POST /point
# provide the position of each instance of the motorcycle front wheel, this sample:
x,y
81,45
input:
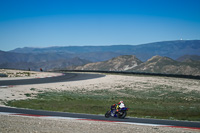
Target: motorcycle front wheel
x,y
107,115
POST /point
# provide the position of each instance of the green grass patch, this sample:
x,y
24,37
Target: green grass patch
x,y
27,94
32,89
158,102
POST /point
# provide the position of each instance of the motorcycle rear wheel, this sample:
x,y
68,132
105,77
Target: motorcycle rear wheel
x,y
122,116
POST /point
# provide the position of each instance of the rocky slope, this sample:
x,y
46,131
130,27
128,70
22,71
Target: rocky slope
x,y
156,64
121,63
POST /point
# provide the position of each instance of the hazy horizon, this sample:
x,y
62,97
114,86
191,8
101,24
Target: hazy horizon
x,y
97,45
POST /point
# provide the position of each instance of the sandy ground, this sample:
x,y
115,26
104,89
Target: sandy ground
x,y
111,82
19,74
18,92
16,124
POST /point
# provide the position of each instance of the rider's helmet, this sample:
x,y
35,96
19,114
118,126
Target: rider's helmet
x,y
120,102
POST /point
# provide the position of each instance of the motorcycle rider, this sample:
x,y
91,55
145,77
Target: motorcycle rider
x,y
117,110
119,106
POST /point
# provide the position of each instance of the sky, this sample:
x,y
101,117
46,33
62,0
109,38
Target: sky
x,y
45,23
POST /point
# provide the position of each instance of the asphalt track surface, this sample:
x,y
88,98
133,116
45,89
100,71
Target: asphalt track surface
x,y
140,121
78,76
66,77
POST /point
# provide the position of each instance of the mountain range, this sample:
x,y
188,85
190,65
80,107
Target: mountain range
x,y
65,56
171,49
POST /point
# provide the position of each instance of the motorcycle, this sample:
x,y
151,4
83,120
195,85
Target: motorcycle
x,y
120,114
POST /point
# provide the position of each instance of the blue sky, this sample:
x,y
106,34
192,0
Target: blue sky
x,y
44,23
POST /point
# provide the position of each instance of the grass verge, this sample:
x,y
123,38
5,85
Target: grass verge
x,y
163,102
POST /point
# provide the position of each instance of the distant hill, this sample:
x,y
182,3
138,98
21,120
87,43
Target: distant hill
x,y
12,57
156,64
171,49
34,61
121,63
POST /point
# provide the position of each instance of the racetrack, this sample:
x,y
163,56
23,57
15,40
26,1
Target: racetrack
x,y
66,77
80,76
128,120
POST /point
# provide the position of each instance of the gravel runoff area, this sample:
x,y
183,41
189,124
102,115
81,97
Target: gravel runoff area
x,y
23,124
19,74
9,123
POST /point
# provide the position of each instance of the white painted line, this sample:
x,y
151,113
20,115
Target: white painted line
x,y
59,117
4,86
8,113
142,124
